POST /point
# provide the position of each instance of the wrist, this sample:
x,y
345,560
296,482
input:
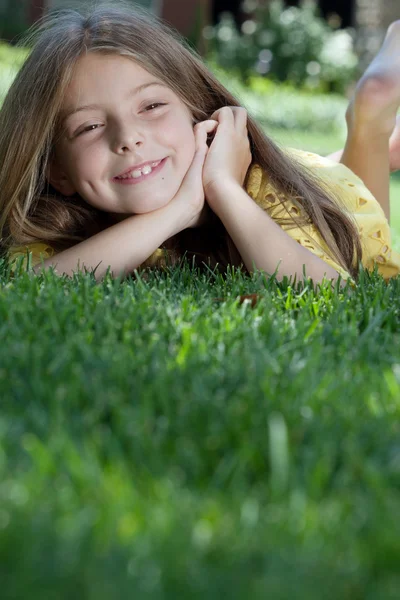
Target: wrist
x,y
178,216
219,191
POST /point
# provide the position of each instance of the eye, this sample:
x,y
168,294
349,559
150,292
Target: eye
x,y
153,106
89,128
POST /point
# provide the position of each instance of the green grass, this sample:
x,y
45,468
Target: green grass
x,y
156,443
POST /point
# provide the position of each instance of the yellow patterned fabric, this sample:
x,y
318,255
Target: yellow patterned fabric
x,y
356,199
38,251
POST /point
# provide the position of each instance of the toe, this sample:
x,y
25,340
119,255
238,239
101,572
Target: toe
x,y
394,29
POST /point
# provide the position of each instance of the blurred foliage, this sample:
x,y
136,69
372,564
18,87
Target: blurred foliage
x,y
11,59
13,19
286,44
277,105
12,56
283,106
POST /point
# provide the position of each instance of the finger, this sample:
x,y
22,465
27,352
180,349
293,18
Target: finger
x,y
200,136
224,116
209,125
238,113
201,149
240,116
215,114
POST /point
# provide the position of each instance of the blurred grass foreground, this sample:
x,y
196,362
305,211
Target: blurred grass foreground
x,y
162,439
156,442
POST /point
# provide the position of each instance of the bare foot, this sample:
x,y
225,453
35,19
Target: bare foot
x,y
394,147
377,95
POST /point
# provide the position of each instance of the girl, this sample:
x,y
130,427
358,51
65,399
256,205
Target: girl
x,y
120,149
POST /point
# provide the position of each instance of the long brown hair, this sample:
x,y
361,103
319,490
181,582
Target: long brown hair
x,y
30,210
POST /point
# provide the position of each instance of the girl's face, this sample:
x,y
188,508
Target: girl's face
x,y
126,139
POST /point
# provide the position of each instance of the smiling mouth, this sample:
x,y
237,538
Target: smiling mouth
x,y
140,173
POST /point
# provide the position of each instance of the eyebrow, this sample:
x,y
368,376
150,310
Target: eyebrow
x,y
134,92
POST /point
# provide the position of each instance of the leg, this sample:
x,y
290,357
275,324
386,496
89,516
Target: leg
x,y
394,149
371,119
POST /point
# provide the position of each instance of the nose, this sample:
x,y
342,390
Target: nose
x,y
127,139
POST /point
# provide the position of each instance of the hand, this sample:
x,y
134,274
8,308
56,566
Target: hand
x,y
229,155
191,192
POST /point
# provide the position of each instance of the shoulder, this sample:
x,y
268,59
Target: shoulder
x,y
335,177
348,189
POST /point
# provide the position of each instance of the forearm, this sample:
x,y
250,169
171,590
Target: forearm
x,y
122,247
261,242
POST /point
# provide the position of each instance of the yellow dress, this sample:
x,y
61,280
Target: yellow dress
x,y
356,199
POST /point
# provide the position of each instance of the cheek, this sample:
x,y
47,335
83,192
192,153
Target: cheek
x,y
85,164
185,144
178,134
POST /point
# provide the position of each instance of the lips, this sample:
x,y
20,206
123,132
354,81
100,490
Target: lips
x,y
139,173
139,170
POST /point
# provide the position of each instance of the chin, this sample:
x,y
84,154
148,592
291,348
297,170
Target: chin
x,y
155,205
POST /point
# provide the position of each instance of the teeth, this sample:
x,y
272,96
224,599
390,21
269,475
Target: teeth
x,y
146,170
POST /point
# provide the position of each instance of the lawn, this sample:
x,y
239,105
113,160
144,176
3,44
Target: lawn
x,y
160,439
158,442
